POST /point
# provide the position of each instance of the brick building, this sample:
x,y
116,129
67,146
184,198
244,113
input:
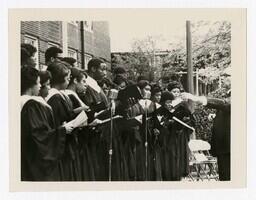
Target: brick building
x,y
81,40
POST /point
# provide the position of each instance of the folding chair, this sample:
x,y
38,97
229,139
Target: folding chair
x,y
202,165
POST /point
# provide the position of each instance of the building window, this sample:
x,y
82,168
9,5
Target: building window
x,y
34,42
75,23
88,26
87,58
52,44
73,54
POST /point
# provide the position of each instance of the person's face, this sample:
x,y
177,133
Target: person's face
x,y
32,61
105,89
145,91
124,75
157,97
44,91
175,92
168,105
53,59
122,86
82,85
36,88
66,81
100,72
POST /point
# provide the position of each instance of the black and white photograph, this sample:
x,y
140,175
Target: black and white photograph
x,y
126,99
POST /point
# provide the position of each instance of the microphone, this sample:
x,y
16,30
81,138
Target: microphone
x,y
147,94
112,95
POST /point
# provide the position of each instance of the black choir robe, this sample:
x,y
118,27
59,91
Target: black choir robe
x,y
174,139
86,164
97,101
42,144
133,135
63,112
220,142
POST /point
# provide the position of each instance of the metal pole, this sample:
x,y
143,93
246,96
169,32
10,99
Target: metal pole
x,y
146,140
197,82
190,82
110,143
82,45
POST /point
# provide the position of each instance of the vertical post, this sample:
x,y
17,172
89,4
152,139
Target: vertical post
x,y
82,44
65,38
190,82
219,82
197,82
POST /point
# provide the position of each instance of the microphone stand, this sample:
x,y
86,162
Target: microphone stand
x,y
112,96
146,141
112,111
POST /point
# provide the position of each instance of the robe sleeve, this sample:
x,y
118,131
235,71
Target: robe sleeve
x,y
218,104
61,112
49,141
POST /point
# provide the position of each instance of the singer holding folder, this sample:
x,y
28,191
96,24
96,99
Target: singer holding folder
x,y
173,137
63,113
132,135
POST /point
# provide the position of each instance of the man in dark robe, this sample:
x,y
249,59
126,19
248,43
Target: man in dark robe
x,y
220,142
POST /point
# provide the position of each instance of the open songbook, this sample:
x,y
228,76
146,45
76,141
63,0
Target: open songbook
x,y
146,103
80,120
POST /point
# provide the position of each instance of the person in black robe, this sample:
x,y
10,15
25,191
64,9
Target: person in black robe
x,y
173,137
63,112
156,93
78,81
42,144
94,97
133,134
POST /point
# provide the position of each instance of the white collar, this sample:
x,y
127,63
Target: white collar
x,y
93,84
71,92
39,99
52,92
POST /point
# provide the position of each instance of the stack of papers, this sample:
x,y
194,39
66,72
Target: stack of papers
x,y
80,120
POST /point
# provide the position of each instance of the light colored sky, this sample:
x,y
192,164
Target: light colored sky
x,y
123,32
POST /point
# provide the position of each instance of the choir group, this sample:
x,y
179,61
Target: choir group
x,y
128,131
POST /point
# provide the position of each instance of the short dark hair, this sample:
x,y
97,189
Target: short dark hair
x,y
174,84
58,71
142,81
95,62
119,70
27,50
69,60
29,76
119,79
166,95
155,89
76,73
52,52
30,48
24,56
45,76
